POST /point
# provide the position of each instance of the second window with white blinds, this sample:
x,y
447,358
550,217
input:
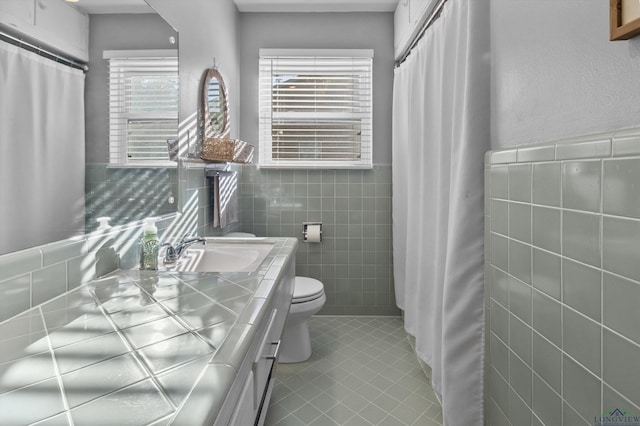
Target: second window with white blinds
x,y
143,105
315,108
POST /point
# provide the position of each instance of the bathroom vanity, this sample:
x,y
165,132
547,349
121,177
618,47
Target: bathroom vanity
x,y
152,347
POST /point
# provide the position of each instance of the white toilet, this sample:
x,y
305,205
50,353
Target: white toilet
x,y
308,299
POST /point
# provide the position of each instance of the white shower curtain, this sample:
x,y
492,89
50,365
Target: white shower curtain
x,y
41,150
440,133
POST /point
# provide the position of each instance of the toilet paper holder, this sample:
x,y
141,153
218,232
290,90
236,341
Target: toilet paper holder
x,y
305,229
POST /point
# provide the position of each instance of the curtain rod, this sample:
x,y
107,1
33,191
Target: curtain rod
x,y
435,14
43,52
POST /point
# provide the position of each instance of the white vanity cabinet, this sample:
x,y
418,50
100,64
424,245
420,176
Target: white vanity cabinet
x,y
248,399
244,414
211,358
264,366
266,360
409,18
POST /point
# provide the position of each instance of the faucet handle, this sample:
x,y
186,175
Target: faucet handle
x,y
170,253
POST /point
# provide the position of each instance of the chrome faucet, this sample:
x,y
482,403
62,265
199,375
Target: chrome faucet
x,y
173,252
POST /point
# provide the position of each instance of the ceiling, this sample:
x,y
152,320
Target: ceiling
x,y
140,6
316,5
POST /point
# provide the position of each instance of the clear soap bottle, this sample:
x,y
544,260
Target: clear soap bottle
x,y
149,245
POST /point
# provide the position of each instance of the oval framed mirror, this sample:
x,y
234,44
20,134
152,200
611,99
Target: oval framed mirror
x,y
215,105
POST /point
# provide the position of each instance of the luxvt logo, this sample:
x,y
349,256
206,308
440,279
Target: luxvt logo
x,y
617,417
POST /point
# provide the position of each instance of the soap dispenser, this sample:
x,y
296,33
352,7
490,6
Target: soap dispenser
x,y
149,245
104,223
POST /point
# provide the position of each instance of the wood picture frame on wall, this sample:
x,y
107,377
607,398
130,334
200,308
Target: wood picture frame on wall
x,y
624,18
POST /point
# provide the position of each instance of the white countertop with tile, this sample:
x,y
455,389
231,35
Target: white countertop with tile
x,y
135,347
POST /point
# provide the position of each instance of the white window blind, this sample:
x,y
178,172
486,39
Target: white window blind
x,y
315,108
143,105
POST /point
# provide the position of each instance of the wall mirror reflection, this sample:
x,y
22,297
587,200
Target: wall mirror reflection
x,y
100,149
215,105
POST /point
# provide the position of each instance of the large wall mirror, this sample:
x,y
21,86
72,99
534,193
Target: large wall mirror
x,y
124,194
128,192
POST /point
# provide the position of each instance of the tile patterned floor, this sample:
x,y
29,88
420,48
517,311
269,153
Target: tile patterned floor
x,y
362,372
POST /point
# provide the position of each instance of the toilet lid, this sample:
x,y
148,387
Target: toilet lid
x,y
306,289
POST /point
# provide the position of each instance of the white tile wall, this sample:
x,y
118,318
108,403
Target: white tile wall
x,y
563,280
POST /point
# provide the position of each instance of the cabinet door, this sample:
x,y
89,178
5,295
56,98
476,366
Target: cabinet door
x,y
18,14
51,23
263,364
409,19
418,10
244,414
63,27
401,25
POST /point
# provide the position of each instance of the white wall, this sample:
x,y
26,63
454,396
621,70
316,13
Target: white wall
x,y
207,29
555,74
114,32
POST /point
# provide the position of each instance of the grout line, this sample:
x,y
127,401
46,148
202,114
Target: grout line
x,y
602,326
353,337
56,369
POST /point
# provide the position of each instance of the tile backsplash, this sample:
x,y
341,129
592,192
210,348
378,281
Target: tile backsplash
x,y
563,280
33,276
354,259
127,194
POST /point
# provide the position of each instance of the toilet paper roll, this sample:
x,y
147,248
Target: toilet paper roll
x,y
313,234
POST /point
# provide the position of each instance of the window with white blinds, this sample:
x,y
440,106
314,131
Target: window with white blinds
x,y
143,105
315,108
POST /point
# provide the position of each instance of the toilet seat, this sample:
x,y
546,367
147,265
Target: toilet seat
x,y
306,290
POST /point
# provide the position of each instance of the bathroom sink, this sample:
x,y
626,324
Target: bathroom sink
x,y
221,257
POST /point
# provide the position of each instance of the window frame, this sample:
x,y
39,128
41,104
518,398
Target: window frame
x,y
364,118
119,118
